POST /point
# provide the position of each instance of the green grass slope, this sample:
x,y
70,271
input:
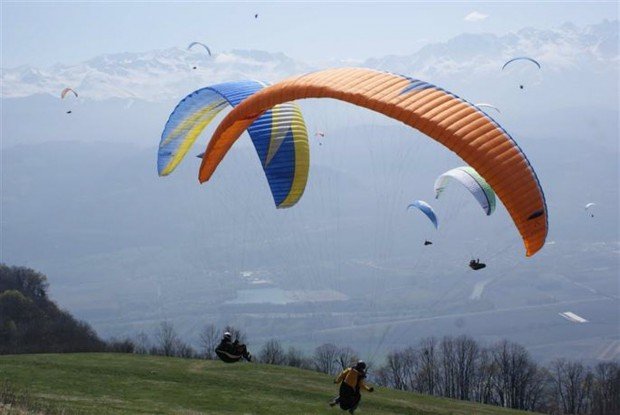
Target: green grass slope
x,y
131,384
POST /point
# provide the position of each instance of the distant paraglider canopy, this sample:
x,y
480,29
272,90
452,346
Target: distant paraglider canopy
x,y
194,44
427,210
460,126
520,58
473,182
191,45
589,210
65,91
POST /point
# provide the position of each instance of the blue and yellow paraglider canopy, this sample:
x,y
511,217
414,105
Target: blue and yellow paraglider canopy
x,y
279,136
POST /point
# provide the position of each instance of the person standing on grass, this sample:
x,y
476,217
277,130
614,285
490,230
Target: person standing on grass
x,y
351,382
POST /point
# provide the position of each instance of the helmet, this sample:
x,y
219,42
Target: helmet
x,y
227,336
360,365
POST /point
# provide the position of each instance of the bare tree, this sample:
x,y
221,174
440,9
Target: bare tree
x,y
428,371
448,371
346,357
325,358
573,383
167,339
502,362
143,344
606,389
272,353
209,339
514,374
296,358
184,350
537,390
485,378
458,364
400,370
392,373
467,352
381,377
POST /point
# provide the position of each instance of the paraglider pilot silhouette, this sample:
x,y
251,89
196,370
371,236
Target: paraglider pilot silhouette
x,y
475,264
351,381
231,351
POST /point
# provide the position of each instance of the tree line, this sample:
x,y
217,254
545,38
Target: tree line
x,y
502,374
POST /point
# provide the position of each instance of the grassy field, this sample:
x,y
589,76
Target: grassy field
x,y
132,384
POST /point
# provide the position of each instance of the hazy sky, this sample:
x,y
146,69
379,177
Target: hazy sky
x,y
44,33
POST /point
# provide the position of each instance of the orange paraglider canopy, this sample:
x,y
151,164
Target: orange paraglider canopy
x,y
448,119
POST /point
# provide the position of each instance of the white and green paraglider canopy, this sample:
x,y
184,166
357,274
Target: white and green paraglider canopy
x,y
473,182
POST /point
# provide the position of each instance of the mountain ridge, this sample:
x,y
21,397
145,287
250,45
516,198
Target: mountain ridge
x,y
160,75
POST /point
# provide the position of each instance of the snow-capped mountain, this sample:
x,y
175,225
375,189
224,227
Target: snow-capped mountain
x,y
593,48
162,75
153,76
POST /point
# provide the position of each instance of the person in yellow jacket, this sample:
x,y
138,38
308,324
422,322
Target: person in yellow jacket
x,y
351,382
